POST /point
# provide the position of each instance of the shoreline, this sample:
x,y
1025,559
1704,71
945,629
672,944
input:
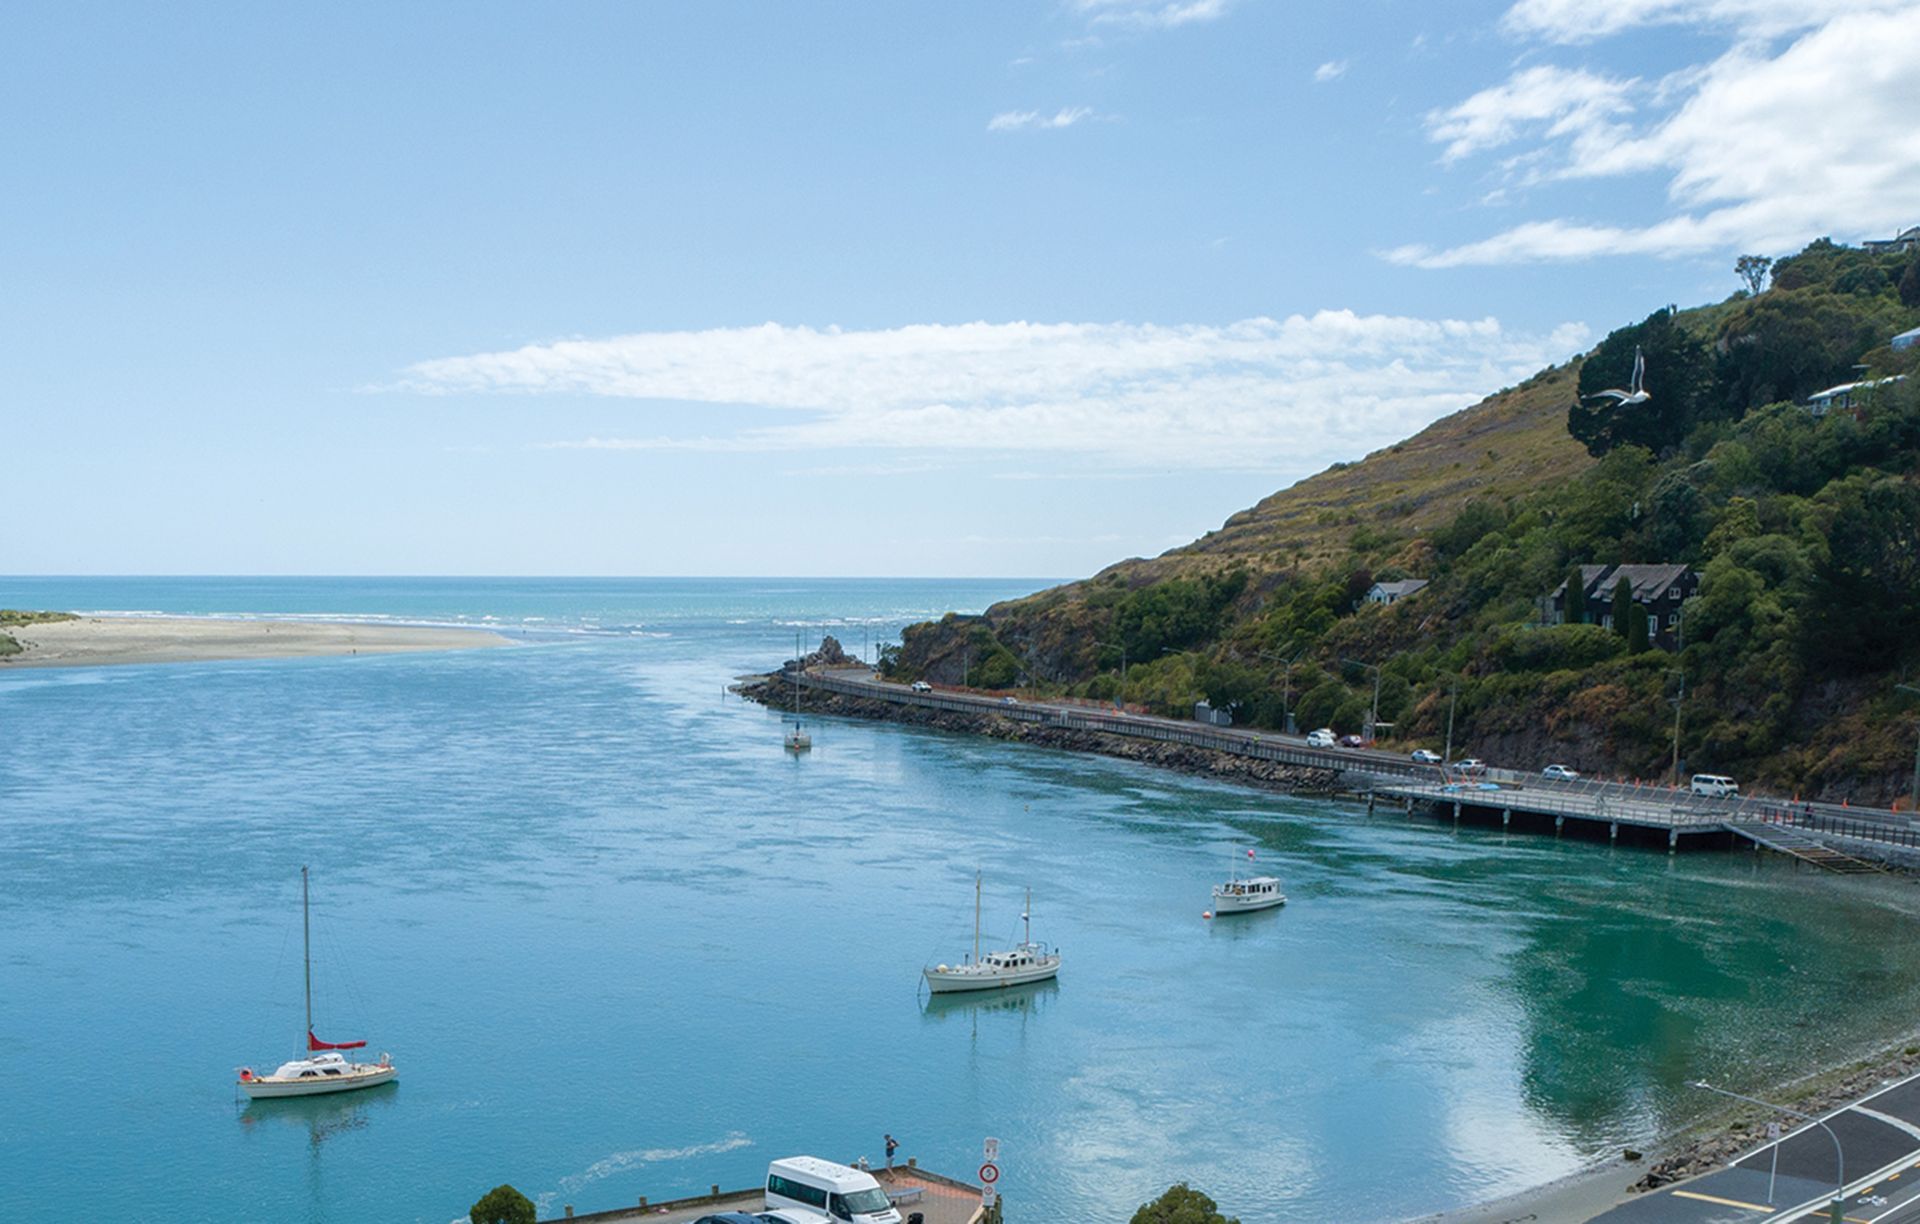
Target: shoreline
x,y
104,641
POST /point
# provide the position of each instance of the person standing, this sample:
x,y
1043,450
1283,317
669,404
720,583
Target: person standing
x,y
893,1145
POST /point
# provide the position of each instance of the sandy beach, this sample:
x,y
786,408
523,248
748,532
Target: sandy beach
x,y
103,640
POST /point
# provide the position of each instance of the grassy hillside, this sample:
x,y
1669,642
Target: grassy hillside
x,y
1806,532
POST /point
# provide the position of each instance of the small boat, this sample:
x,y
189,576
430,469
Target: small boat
x,y
1238,896
798,739
323,1069
1022,965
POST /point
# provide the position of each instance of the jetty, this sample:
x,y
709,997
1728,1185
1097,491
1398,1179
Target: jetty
x,y
1829,837
914,1191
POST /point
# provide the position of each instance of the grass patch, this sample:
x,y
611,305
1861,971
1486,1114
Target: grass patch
x,y
8,646
14,616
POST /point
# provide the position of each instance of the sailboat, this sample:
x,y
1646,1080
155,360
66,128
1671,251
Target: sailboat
x,y
1029,962
324,1069
798,740
1238,896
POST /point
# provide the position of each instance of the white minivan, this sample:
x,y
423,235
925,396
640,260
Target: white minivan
x,y
1717,786
841,1191
1323,738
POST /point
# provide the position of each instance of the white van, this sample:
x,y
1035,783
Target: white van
x,y
841,1191
1323,738
1717,786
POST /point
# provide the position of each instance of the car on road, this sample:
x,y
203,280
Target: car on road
x,y
1422,757
1714,786
1352,741
1009,701
1560,773
1323,738
921,686
1472,766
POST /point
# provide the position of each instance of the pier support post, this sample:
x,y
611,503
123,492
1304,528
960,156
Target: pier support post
x,y
1506,818
1559,823
1456,811
1613,830
1369,803
1673,840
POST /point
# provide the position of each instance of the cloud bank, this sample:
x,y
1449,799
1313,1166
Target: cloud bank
x,y
1016,121
1762,149
1295,393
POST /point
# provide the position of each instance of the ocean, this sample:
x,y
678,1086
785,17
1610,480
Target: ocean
x,y
619,943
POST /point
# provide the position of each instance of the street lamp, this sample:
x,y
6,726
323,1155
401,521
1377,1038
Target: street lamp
x,y
1679,700
1916,754
1839,1158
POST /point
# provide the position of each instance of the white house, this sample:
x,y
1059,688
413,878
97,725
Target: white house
x,y
1393,592
1905,340
1906,240
1848,396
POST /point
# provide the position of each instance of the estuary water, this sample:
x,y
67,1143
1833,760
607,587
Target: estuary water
x,y
620,943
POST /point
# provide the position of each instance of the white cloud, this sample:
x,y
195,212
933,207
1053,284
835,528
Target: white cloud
x,y
1762,149
1017,121
1332,70
1576,21
1151,14
1297,392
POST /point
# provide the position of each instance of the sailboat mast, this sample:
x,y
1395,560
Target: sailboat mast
x,y
1026,916
306,956
976,917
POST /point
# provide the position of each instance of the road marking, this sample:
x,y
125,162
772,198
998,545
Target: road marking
x,y
1724,1202
1889,1119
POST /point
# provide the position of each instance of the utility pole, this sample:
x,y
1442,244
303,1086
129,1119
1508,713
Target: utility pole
x,y
1373,714
1286,687
1916,753
1679,700
1120,699
1452,702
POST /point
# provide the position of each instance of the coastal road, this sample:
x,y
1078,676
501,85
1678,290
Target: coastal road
x,y
1590,798
1794,1178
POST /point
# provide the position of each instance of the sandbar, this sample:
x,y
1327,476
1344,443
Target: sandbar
x,y
96,641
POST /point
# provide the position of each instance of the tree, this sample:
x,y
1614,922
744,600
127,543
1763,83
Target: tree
x,y
502,1205
1639,635
1753,269
1576,598
1623,608
1181,1205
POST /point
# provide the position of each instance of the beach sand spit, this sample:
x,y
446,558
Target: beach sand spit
x,y
97,641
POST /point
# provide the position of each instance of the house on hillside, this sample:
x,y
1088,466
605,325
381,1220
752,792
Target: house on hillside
x,y
1905,340
1658,591
1848,397
1394,592
1905,240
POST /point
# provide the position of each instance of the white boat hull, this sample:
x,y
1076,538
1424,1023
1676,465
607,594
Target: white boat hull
x,y
1246,905
358,1075
954,981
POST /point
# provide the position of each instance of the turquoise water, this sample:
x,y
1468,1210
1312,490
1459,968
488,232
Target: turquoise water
x,y
619,943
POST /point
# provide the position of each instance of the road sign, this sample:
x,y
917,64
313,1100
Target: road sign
x,y
987,1196
989,1173
992,1152
1773,1130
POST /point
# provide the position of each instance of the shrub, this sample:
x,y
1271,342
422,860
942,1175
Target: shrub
x,y
1181,1205
502,1205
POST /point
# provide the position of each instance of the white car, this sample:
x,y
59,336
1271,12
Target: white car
x,y
1422,757
921,686
1323,738
1472,766
1715,786
1560,773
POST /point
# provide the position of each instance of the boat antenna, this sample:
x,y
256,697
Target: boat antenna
x,y
1026,916
306,956
976,917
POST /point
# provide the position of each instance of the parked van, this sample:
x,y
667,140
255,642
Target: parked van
x,y
841,1191
1323,738
1717,786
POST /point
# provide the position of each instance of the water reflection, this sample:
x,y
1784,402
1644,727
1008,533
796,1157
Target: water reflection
x,y
324,1117
1032,1000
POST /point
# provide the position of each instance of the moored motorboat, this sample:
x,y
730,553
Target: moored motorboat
x,y
1243,896
1025,963
323,1068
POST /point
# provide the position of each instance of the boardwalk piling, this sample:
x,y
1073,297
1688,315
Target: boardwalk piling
x,y
1613,830
1559,823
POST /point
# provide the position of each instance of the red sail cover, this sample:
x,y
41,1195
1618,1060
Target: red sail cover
x,y
314,1043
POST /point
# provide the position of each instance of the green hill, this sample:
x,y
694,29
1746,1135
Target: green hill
x,y
1805,531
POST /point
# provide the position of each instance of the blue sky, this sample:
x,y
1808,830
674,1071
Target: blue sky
x,y
850,289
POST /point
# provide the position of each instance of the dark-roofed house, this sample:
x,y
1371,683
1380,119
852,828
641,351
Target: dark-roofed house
x,y
1391,592
1658,590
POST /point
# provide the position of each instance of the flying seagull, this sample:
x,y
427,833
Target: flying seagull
x,y
1635,393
